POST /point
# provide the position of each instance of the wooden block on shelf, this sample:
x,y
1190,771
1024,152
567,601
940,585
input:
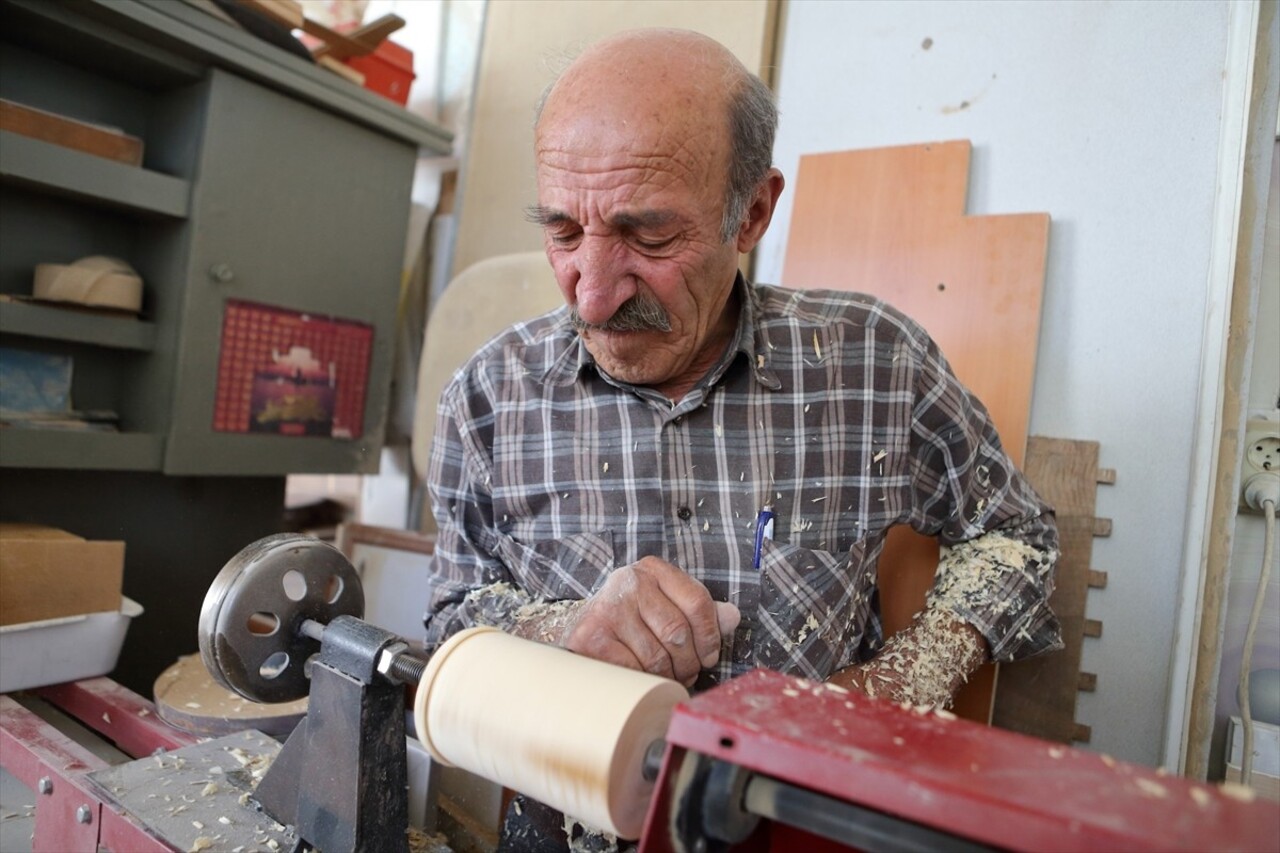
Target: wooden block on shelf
x,y
70,133
286,12
368,36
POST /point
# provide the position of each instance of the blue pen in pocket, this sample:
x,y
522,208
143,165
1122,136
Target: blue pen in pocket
x,y
764,530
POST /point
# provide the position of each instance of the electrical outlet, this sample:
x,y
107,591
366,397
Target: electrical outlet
x,y
1261,453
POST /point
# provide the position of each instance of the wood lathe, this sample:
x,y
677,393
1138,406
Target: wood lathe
x,y
766,762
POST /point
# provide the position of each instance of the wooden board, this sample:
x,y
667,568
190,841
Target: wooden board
x,y
69,133
891,222
188,698
1038,696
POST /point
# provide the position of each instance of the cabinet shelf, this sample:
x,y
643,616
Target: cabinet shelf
x,y
66,172
69,324
102,451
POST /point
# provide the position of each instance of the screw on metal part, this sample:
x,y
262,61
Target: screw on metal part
x,y
83,815
408,669
45,785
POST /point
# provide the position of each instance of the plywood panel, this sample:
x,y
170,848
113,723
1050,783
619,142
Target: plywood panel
x,y
891,222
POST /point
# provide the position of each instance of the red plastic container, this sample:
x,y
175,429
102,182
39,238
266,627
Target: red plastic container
x,y
387,71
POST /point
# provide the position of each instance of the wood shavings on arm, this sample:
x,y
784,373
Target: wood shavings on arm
x,y
513,610
926,663
922,665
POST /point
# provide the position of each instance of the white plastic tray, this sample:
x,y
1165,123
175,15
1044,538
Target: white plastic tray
x,y
34,654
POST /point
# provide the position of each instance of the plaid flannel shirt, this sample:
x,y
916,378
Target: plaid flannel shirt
x,y
832,408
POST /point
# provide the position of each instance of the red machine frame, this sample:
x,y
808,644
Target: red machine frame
x,y
69,816
927,769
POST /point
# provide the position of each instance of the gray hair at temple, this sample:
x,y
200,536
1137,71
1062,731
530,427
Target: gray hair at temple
x,y
753,122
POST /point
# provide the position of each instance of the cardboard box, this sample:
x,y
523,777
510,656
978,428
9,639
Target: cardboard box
x,y
46,573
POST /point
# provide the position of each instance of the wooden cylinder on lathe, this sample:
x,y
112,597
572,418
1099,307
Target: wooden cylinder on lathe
x,y
566,730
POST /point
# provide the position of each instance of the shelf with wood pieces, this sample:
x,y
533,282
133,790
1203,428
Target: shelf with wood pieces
x,y
62,171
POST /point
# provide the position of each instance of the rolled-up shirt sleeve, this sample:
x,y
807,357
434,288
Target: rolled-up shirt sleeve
x,y
468,585
998,538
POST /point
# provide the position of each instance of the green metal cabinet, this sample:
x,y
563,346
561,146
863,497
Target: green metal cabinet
x,y
265,179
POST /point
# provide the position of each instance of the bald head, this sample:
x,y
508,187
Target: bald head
x,y
658,85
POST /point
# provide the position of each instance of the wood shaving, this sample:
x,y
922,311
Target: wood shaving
x,y
204,842
1152,788
1236,791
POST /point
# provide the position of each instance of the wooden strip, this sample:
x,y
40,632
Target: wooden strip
x,y
341,69
1093,628
1097,580
1107,476
1088,682
1081,733
1102,527
351,534
368,37
70,133
285,12
336,40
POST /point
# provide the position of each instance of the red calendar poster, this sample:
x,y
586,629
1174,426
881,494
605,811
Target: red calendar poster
x,y
290,373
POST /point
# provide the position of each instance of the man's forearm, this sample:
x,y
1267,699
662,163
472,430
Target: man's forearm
x,y
924,664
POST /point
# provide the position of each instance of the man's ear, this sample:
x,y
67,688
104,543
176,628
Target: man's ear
x,y
760,213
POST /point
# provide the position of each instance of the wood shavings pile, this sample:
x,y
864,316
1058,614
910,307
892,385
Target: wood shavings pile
x,y
421,842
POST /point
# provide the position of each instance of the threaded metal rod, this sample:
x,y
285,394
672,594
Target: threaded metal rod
x,y
408,668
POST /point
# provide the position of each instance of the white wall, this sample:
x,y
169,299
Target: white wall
x,y
1105,115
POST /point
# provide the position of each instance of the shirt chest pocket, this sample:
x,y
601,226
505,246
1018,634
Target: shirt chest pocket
x,y
559,569
813,609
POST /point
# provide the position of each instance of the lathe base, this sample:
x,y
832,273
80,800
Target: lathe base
x,y
808,766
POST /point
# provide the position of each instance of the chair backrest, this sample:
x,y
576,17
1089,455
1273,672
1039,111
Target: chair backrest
x,y
480,302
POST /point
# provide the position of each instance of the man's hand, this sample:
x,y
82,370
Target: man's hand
x,y
653,617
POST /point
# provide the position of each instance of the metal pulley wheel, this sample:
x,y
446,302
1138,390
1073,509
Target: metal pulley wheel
x,y
250,625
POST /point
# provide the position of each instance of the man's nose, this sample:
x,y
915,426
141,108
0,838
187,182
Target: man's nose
x,y
603,283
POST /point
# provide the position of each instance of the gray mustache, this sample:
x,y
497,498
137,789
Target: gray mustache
x,y
637,314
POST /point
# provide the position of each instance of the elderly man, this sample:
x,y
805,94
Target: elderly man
x,y
599,473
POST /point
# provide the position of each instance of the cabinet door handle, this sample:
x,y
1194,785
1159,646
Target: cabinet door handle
x,y
222,273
